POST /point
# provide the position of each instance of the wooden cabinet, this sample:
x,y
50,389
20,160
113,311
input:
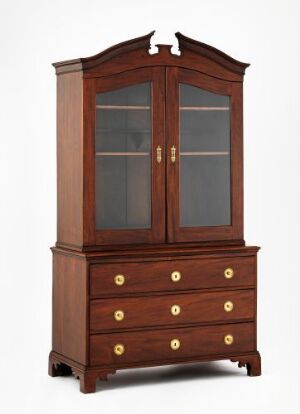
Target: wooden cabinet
x,y
150,265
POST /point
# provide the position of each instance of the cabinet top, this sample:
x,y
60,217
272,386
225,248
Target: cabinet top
x,y
129,55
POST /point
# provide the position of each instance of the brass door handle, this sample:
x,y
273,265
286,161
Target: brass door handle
x,y
158,154
173,154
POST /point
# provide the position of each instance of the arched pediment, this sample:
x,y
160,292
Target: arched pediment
x,y
134,53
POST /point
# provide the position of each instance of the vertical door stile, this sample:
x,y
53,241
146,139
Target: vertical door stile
x,y
158,155
172,141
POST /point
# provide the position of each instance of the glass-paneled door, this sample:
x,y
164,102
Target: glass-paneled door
x,y
128,157
204,197
123,158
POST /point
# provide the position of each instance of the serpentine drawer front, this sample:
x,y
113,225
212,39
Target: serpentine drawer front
x,y
170,344
171,309
155,276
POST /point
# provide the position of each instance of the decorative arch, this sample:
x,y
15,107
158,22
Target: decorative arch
x,y
134,53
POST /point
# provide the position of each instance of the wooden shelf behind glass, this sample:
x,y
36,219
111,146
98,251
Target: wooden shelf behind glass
x,y
132,107
204,153
204,108
122,153
123,130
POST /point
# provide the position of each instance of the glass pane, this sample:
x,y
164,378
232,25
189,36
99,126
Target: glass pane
x,y
123,158
204,158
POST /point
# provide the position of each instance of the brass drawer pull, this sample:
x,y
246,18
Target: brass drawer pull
x,y
175,310
158,154
228,306
228,339
175,276
175,344
228,273
119,349
119,280
119,315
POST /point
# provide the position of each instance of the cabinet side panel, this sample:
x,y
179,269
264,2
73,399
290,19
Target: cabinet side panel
x,y
69,313
69,159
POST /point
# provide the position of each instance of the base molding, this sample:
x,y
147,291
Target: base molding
x,y
59,365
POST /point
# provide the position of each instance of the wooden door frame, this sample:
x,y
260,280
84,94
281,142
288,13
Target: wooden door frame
x,y
156,233
174,76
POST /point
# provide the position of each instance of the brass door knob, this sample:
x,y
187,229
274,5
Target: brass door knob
x,y
175,276
228,339
119,349
175,310
119,315
119,280
175,344
228,273
228,306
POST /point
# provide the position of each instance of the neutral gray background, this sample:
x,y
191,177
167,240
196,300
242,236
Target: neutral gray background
x,y
35,33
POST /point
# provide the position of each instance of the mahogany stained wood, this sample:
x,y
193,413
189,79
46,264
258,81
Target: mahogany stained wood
x,y
129,55
176,233
164,57
79,81
155,345
69,307
86,260
69,159
155,311
156,234
251,360
156,276
206,50
60,365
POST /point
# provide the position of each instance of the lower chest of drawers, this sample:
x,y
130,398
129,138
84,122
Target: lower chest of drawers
x,y
164,310
122,313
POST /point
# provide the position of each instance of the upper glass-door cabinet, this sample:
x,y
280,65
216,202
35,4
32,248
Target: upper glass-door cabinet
x,y
128,144
202,173
150,146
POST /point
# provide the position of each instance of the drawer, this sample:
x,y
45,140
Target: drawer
x,y
120,313
171,344
122,278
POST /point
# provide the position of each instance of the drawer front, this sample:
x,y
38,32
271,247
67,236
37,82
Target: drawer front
x,y
120,313
171,344
122,278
